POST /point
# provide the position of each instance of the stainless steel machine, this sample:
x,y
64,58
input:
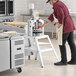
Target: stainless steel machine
x,y
17,47
33,24
33,27
38,41
33,31
11,52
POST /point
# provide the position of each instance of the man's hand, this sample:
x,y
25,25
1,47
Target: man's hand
x,y
58,25
39,27
42,25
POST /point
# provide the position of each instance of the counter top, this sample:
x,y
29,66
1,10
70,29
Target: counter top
x,y
15,23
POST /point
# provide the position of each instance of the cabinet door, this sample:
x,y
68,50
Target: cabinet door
x,y
4,55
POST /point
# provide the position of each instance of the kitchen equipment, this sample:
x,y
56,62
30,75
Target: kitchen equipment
x,y
2,7
14,26
4,53
12,53
37,39
33,27
32,36
6,7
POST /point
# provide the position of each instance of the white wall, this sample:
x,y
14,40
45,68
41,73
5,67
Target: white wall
x,y
46,9
71,4
42,6
20,6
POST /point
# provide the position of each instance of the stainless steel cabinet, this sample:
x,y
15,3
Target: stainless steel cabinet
x,y
4,54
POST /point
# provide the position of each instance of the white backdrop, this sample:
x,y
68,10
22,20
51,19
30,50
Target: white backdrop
x,y
71,4
41,6
46,9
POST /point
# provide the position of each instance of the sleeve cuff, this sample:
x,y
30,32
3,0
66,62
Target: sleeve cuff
x,y
51,18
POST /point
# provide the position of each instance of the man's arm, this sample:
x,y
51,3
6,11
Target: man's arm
x,y
50,18
46,22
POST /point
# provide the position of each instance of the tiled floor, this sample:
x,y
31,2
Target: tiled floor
x,y
32,67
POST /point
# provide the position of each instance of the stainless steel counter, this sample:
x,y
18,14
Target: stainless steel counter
x,y
7,18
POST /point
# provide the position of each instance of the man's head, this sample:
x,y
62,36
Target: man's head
x,y
52,1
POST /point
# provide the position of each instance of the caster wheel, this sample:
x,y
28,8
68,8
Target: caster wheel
x,y
31,53
19,70
35,58
28,57
41,66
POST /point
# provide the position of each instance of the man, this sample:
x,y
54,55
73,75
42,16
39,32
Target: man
x,y
62,14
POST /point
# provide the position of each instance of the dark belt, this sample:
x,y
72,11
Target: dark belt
x,y
66,17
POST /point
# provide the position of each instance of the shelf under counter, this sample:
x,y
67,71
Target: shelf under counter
x,y
7,17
